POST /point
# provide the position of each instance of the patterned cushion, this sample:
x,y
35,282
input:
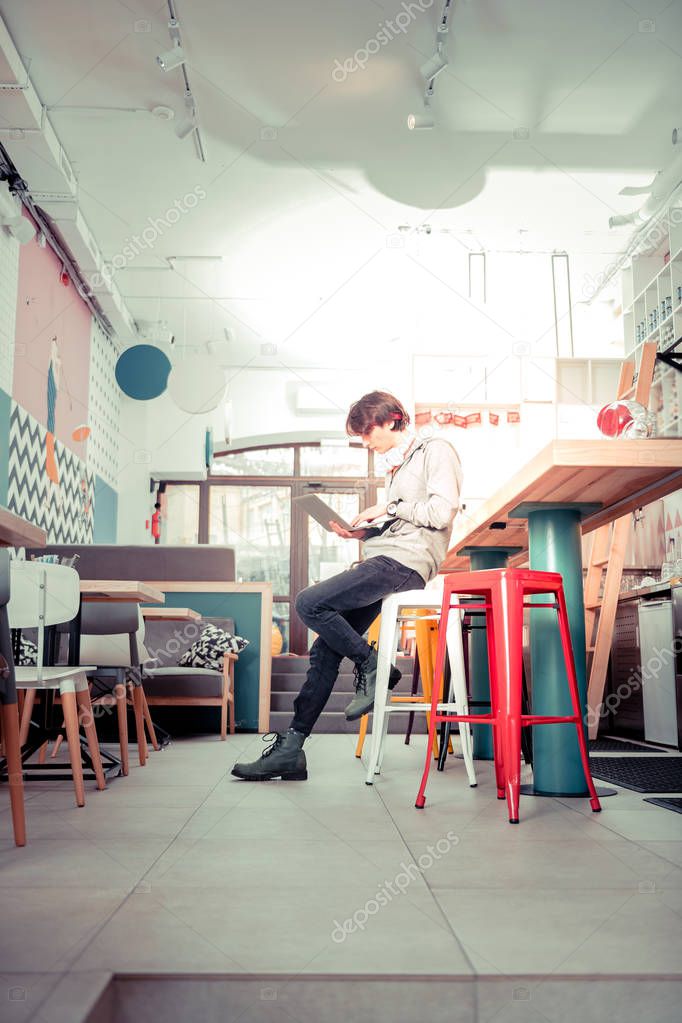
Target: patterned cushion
x,y
209,649
28,653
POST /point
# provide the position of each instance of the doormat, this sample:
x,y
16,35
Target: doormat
x,y
668,804
605,744
642,774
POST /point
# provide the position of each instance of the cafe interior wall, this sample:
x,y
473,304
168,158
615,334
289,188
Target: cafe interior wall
x,y
425,340
58,408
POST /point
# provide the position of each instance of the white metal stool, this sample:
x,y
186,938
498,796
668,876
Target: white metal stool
x,y
391,620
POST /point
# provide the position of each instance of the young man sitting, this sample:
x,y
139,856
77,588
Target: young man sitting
x,y
422,496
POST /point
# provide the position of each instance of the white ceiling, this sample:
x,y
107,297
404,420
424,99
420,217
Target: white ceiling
x,y
546,111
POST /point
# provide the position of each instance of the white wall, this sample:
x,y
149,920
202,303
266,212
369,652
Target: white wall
x,y
264,401
158,440
437,319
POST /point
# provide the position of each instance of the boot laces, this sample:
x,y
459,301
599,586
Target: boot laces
x,y
360,679
276,739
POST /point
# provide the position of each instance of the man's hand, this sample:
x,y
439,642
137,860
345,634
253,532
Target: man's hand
x,y
358,534
369,514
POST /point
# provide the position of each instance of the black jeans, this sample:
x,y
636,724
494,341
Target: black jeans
x,y
340,610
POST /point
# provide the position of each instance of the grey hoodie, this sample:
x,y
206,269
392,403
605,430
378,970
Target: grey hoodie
x,y
427,485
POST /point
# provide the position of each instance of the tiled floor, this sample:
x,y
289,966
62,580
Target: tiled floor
x,y
180,869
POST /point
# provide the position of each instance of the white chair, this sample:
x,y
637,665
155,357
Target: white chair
x,y
42,595
431,598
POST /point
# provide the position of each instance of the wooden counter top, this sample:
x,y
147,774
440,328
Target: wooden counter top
x,y
16,531
620,475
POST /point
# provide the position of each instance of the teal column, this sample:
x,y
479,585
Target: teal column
x,y
554,546
482,558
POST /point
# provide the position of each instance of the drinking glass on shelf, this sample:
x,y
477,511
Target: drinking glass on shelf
x,y
669,565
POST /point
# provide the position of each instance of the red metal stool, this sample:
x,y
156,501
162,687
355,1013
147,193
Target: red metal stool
x,y
503,592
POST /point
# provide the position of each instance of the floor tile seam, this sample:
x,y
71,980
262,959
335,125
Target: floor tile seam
x,y
448,925
509,886
665,859
524,888
108,919
331,832
603,821
38,1016
362,890
596,929
68,970
605,843
553,974
59,975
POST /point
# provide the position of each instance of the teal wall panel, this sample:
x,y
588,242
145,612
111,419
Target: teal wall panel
x,y
106,506
245,609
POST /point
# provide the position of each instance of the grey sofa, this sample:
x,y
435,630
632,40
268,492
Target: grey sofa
x,y
149,562
167,684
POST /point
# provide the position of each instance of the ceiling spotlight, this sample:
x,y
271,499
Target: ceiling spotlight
x,y
171,58
418,122
20,228
163,113
435,65
185,128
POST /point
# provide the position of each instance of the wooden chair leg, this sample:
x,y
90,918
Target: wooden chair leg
x,y
10,738
70,711
43,752
87,719
232,721
139,723
148,720
26,712
223,719
122,715
57,743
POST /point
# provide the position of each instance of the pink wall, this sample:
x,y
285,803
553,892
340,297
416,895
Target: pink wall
x,y
47,310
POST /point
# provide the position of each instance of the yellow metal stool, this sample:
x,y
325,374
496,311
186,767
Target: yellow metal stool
x,y
426,630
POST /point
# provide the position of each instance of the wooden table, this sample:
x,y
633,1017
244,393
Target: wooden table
x,y
568,488
16,531
121,589
171,614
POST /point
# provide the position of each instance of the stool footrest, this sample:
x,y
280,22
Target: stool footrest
x,y
476,719
542,719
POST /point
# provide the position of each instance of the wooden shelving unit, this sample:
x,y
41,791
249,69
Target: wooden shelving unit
x,y
652,311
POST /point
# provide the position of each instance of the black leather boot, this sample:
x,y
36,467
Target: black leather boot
x,y
365,685
284,759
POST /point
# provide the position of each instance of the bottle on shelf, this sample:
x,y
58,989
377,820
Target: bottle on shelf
x,y
669,565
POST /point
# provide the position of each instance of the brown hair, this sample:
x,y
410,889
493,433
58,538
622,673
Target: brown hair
x,y
375,409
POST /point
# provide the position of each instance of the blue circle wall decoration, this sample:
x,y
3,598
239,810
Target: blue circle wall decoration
x,y
142,372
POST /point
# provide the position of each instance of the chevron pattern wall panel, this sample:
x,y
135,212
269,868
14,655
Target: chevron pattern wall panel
x,y
64,510
5,412
9,283
104,407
